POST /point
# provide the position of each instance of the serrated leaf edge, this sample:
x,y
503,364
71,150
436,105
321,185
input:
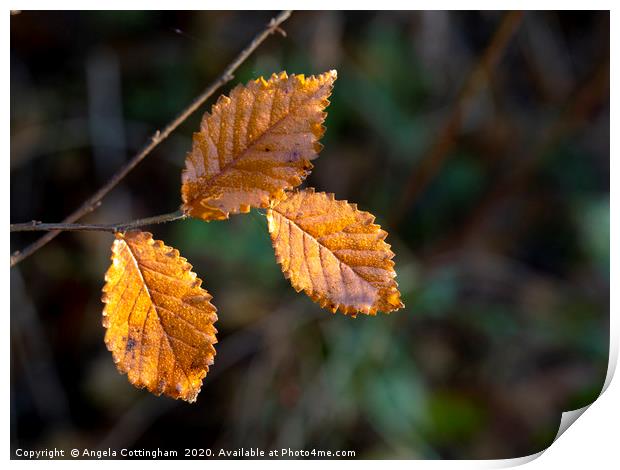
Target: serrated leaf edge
x,y
317,297
186,267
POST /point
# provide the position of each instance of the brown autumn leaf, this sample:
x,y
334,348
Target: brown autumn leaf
x,y
334,252
255,144
159,320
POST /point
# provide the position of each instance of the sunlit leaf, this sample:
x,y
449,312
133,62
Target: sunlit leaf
x,y
334,252
255,144
159,320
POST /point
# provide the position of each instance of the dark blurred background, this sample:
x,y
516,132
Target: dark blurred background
x,y
479,139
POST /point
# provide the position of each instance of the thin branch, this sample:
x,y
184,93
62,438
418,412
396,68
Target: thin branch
x,y
36,226
431,163
95,200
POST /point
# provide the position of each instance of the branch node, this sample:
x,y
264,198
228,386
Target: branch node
x,y
274,27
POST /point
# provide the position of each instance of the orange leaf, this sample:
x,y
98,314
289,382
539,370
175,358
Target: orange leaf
x,y
159,320
255,144
334,252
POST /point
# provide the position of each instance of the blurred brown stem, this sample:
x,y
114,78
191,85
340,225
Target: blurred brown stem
x,y
36,226
570,117
95,200
431,163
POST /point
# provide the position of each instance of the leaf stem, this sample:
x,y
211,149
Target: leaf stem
x,y
95,200
36,226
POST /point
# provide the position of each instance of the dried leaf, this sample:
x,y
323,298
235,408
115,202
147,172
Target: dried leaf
x,y
255,144
159,320
334,252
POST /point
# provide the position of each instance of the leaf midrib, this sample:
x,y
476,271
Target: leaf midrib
x,y
342,263
154,306
206,181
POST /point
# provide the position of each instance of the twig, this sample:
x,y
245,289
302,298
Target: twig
x,y
431,163
36,226
93,202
